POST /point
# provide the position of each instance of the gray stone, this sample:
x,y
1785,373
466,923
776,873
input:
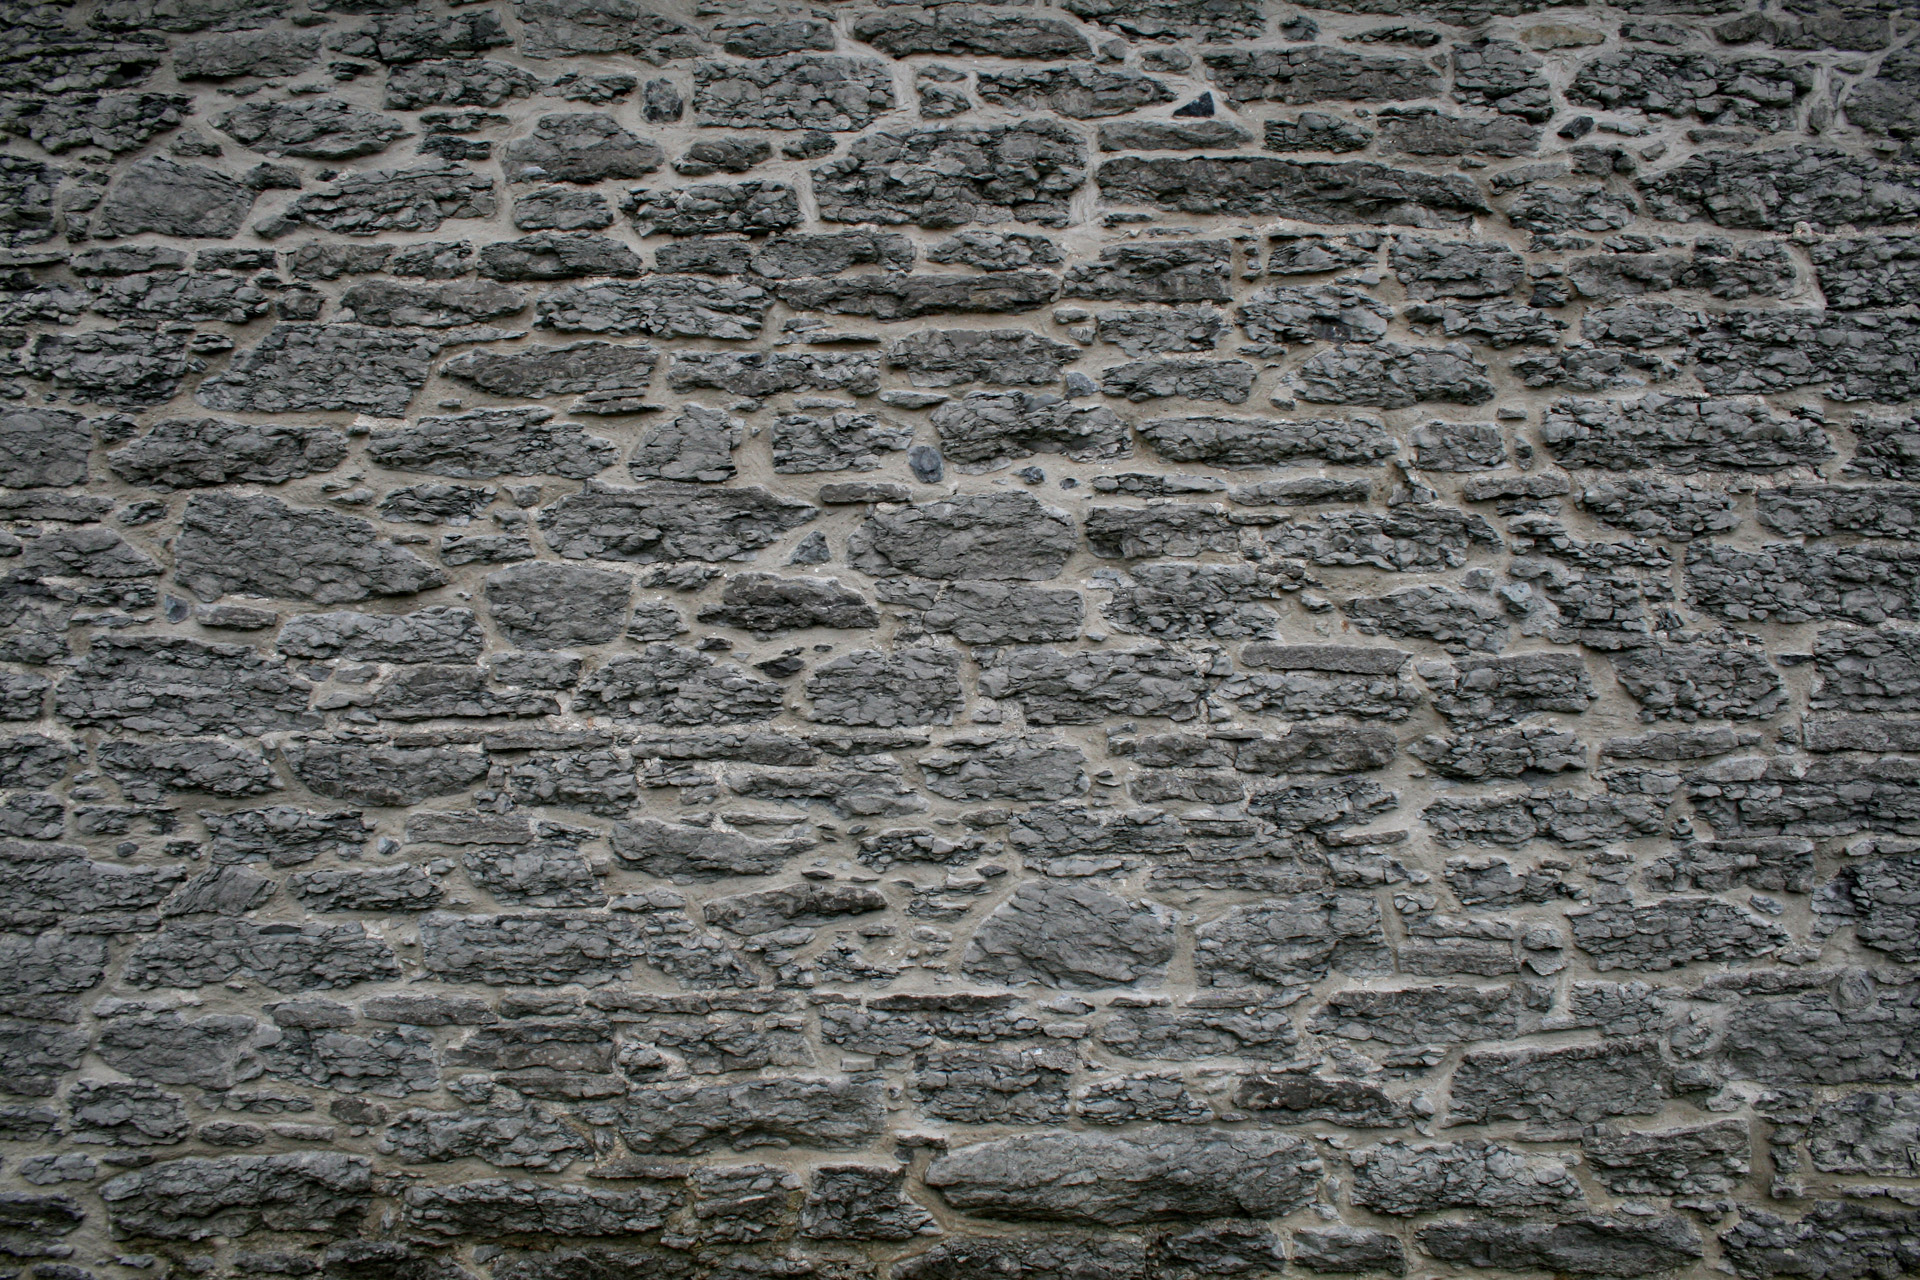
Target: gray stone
x,y
823,1113
384,200
792,92
318,129
949,177
666,521
769,605
660,306
168,684
1835,1237
193,454
1399,1179
682,854
749,208
1587,1246
1310,191
1159,1173
1292,944
1705,1160
232,542
1790,582
1071,935
1392,376
804,444
1078,92
158,195
909,686
380,774
1015,767
196,1198
332,366
121,368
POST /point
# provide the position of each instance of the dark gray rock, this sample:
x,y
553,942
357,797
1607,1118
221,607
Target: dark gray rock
x,y
1835,1237
486,443
1310,191
1774,189
793,92
991,536
823,1113
311,956
1692,682
1316,131
1402,539
558,255
579,147
123,368
670,685
1014,767
300,367
684,854
317,129
1010,357
749,208
998,613
862,1202
1158,1173
950,177
147,770
955,29
171,199
1392,376
380,774
1578,1246
456,82
1169,271
1789,582
1084,687
804,444
986,429
258,545
1423,131
900,296
168,684
197,1198
666,521
492,1207
1171,135
383,200
909,686
1250,442
1292,944
194,454
1704,1160
1758,92
1399,1179
1078,92
1315,73
536,373
44,447
1343,1250
660,306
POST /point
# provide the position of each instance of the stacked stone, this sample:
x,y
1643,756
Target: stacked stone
x,y
1114,639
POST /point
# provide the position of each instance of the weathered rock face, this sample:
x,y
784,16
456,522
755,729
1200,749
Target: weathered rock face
x,y
1288,633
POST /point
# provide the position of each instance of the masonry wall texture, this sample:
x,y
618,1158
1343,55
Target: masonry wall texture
x,y
1074,640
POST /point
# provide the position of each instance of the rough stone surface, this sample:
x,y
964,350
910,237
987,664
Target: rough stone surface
x,y
1103,640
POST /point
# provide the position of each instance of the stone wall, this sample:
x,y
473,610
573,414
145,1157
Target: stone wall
x,y
1118,640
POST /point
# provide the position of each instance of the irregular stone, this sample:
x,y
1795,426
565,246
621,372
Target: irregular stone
x,y
666,521
317,129
1074,936
171,199
198,953
954,30
456,82
1164,1172
171,684
1789,582
259,545
536,373
824,1113
1314,73
1017,767
949,177
1691,682
380,774
1708,1159
909,686
147,770
804,444
323,366
1759,92
659,306
1399,1179
1078,92
1310,191
862,1202
1292,944
1661,935
1171,135
198,1198
196,454
120,368
1771,190
1835,1237
769,605
794,91
1423,131
382,200
748,208
1579,1246
993,537
999,613
898,297
1392,376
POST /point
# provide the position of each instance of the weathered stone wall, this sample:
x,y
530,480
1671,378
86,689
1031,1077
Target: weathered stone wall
x,y
1117,640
